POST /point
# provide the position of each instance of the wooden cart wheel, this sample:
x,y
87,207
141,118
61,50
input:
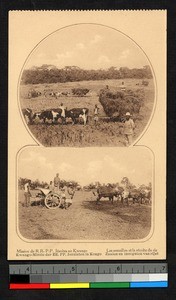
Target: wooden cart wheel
x,y
52,201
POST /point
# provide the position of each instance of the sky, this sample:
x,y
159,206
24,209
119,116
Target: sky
x,y
87,46
86,165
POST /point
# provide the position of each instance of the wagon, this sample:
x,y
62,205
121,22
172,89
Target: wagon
x,y
48,198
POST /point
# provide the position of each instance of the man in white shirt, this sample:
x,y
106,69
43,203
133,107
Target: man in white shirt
x,y
27,193
128,129
63,110
96,111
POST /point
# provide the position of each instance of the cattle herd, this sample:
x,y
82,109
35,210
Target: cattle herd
x,y
114,104
79,92
57,116
123,194
60,115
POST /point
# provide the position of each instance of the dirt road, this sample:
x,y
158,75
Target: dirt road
x,y
85,220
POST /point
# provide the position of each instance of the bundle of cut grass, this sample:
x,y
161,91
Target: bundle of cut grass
x,y
118,103
80,92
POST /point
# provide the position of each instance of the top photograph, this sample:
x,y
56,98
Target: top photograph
x,y
87,85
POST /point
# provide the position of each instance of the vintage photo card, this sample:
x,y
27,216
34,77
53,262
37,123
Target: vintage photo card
x,y
87,135
84,194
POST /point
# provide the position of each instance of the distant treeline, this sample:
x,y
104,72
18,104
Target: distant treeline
x,y
131,186
51,74
34,183
43,184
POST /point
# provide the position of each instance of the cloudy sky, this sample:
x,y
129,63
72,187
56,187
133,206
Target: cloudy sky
x,y
87,46
86,165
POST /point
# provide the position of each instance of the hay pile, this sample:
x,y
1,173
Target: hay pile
x,y
118,103
80,92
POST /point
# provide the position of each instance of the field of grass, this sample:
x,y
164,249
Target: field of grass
x,y
84,219
104,134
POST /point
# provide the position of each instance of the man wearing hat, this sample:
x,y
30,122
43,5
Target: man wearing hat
x,y
128,129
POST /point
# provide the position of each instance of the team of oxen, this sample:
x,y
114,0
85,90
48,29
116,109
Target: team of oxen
x,y
34,93
57,116
60,115
80,92
124,195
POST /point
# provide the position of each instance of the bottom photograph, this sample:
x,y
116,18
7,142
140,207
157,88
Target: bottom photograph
x,y
84,194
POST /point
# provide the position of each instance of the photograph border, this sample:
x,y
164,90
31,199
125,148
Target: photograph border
x,y
124,34
147,238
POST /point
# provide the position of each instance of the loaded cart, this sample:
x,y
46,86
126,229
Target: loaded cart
x,y
50,199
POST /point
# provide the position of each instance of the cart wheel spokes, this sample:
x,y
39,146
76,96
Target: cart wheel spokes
x,y
52,201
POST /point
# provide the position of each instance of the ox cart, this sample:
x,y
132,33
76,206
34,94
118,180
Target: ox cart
x,y
51,199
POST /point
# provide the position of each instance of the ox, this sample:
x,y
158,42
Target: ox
x,y
106,192
28,115
59,94
135,194
146,195
34,94
65,93
52,94
125,196
52,115
77,115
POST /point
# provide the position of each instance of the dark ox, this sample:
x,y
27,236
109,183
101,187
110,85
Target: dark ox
x,y
107,192
77,115
146,196
34,94
140,196
52,115
73,116
135,195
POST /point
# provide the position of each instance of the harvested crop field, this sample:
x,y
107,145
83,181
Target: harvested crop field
x,y
104,133
85,220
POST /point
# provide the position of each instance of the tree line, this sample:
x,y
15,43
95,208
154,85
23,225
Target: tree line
x,y
93,185
43,184
131,186
51,74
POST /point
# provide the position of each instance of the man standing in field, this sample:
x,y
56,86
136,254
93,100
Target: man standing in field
x,y
62,107
56,183
96,109
128,129
27,193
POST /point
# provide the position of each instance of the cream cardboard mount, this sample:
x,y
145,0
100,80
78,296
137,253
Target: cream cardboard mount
x,y
72,83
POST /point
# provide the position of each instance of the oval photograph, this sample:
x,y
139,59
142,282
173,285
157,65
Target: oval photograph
x,y
87,85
